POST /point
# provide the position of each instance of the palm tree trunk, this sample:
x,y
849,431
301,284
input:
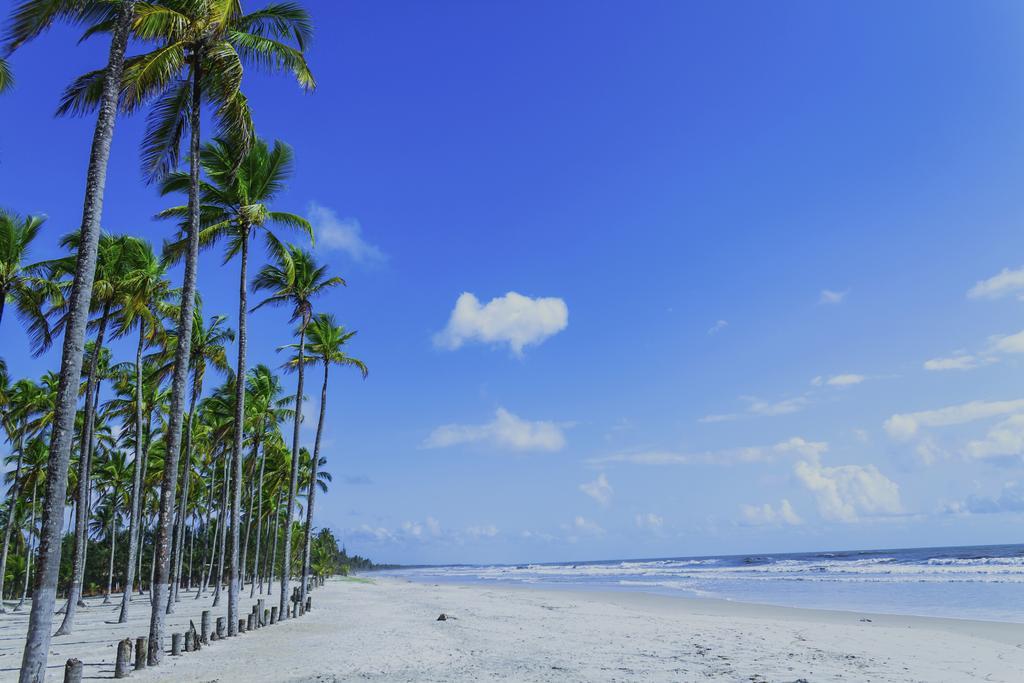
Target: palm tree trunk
x,y
84,467
12,499
31,533
222,531
307,532
142,493
179,527
206,545
236,499
133,524
113,548
259,509
294,482
273,554
179,385
191,553
37,640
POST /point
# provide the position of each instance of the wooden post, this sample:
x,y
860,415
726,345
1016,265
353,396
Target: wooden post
x,y
196,645
309,603
222,626
188,642
273,614
176,640
124,656
73,671
141,652
241,626
266,617
250,622
204,637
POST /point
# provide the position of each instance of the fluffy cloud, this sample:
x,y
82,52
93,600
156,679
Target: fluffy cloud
x,y
766,514
485,531
505,431
844,380
1011,343
1005,439
905,426
341,234
1010,499
960,361
1006,282
514,319
829,296
718,326
757,407
649,521
586,526
845,492
599,489
796,447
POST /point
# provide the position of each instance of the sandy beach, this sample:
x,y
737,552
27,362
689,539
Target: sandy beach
x,y
386,629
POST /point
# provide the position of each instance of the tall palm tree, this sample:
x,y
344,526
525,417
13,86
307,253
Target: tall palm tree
x,y
112,474
114,262
327,342
29,19
202,48
234,205
293,279
23,283
146,294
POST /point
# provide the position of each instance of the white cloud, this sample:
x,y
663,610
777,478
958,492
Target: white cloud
x,y
1011,343
757,407
795,446
845,380
845,492
960,361
829,296
649,521
1006,282
718,326
599,489
586,526
505,430
341,234
766,514
433,526
1010,499
485,531
1005,439
514,319
905,426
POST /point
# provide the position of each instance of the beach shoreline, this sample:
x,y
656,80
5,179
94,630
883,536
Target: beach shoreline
x,y
386,629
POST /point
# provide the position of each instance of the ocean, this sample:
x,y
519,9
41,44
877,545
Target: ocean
x,y
969,582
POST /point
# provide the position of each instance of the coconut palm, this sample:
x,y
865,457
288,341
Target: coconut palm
x,y
113,476
293,279
21,282
326,345
29,19
235,208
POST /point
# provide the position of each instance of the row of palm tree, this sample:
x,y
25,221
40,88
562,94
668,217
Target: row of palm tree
x,y
192,57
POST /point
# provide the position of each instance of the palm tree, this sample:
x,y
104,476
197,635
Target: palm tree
x,y
293,279
146,290
327,342
234,207
114,262
23,283
200,57
113,475
31,18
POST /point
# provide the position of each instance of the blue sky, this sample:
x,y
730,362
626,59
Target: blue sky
x,y
745,241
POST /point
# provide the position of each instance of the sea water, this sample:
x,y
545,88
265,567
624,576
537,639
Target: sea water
x,y
977,582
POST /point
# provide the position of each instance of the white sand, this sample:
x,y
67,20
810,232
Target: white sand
x,y
387,630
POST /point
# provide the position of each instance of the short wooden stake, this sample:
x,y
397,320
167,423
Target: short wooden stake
x,y
273,614
266,617
204,637
73,671
309,603
241,625
141,652
124,657
250,622
222,626
188,641
176,641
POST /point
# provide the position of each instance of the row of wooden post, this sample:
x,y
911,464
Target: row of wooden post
x,y
192,640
